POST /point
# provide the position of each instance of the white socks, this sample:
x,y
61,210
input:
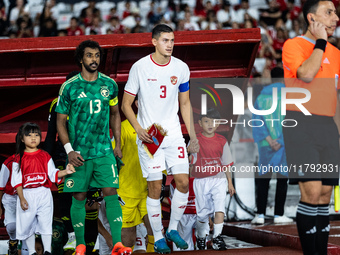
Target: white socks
x,y
217,229
30,242
11,230
47,242
155,217
178,204
202,229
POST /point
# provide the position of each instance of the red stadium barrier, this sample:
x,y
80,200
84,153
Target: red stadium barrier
x,y
32,69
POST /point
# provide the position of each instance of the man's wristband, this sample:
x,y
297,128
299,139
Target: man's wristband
x,y
320,44
68,148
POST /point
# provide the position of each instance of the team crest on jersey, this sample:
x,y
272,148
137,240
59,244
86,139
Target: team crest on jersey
x,y
70,183
56,234
173,80
105,92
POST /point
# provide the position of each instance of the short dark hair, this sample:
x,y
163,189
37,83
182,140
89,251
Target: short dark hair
x,y
212,113
75,18
276,72
161,28
311,6
79,54
114,18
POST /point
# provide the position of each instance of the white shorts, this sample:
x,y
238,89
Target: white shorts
x,y
171,152
103,247
10,206
37,219
141,234
185,230
210,193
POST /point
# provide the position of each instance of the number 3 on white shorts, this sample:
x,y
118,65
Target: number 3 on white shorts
x,y
181,152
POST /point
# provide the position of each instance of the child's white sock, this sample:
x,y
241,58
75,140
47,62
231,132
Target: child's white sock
x,y
47,242
217,229
30,242
201,228
11,230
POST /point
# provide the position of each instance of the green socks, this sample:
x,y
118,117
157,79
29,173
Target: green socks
x,y
114,216
78,213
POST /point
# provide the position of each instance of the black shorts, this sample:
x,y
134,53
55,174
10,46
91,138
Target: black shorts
x,y
312,149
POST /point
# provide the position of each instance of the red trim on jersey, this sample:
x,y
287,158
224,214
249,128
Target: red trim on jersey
x,y
127,92
157,63
16,186
8,189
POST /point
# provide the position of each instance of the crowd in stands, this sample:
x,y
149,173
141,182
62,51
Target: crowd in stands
x,y
277,19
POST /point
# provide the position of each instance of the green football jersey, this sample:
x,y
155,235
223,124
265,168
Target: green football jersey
x,y
88,106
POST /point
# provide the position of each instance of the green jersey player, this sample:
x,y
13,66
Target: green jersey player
x,y
90,101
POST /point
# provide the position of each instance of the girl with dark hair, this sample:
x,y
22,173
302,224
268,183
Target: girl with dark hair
x,y
32,177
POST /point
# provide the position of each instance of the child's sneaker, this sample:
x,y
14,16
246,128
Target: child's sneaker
x,y
13,247
80,250
120,249
201,243
177,239
258,219
71,242
218,243
161,247
282,219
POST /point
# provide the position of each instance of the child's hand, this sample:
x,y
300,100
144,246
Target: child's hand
x,y
194,146
231,189
70,169
24,204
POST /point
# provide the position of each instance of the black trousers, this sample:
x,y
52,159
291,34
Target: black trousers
x,y
262,187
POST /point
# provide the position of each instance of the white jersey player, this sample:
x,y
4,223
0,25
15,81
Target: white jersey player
x,y
162,83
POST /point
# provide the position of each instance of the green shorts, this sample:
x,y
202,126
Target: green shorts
x,y
99,172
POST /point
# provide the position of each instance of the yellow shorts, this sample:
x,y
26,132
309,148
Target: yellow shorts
x,y
133,211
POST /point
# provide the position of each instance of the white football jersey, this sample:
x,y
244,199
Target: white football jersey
x,y
157,87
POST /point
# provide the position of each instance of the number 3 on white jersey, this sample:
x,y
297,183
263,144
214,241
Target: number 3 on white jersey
x,y
163,91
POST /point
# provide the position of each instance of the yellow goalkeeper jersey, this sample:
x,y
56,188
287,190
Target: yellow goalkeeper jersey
x,y
131,181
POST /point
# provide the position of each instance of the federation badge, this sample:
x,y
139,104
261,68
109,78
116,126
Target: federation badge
x,y
105,92
56,234
70,183
173,80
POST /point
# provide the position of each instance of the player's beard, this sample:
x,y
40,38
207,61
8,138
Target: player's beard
x,y
89,69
